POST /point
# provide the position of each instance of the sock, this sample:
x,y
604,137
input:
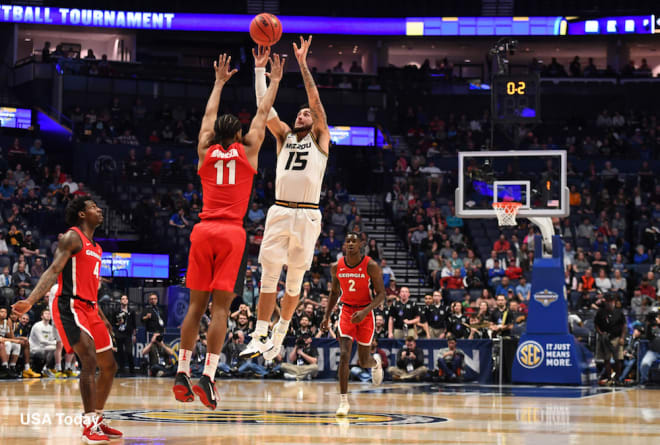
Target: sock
x,y
27,366
184,361
5,364
67,366
261,329
99,412
211,364
344,398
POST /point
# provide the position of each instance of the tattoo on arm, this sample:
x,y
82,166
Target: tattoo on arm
x,y
318,113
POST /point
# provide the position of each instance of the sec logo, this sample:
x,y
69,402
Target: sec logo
x,y
530,354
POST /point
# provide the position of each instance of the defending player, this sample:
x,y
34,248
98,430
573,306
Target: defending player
x,y
352,277
80,323
216,264
293,224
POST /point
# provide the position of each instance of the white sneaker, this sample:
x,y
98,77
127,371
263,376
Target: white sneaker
x,y
277,338
272,353
256,347
377,372
343,409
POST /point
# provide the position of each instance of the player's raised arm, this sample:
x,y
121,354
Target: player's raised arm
x,y
320,126
273,122
255,136
222,75
69,245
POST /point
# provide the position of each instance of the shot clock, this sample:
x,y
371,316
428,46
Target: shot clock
x,y
516,98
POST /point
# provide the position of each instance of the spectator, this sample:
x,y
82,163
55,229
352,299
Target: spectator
x,y
640,304
256,214
5,278
457,323
501,320
124,326
388,273
409,363
43,343
404,316
355,67
653,353
587,282
450,362
611,327
45,53
603,282
523,289
640,257
374,250
434,316
28,246
153,317
380,330
37,268
332,243
21,279
303,360
22,332
501,245
630,352
161,363
179,220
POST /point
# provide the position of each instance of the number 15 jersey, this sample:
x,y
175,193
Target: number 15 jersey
x,y
300,169
227,177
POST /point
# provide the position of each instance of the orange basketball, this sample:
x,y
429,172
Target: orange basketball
x,y
265,29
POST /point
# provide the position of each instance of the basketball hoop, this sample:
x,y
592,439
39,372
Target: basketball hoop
x,y
506,212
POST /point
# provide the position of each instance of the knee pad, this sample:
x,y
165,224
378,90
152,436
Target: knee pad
x,y
270,275
294,280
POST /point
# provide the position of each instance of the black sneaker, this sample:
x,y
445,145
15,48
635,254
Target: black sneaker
x,y
4,373
15,373
182,388
205,390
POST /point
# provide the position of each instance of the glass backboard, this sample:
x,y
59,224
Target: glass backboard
x,y
535,178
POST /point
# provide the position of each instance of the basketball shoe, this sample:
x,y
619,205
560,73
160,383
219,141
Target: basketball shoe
x,y
182,389
205,390
104,426
92,433
30,374
377,371
256,347
344,407
277,339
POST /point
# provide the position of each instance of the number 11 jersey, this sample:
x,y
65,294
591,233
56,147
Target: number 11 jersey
x,y
300,169
227,178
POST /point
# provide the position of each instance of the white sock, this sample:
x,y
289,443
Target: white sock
x,y
211,364
282,326
184,361
5,364
27,366
261,329
344,398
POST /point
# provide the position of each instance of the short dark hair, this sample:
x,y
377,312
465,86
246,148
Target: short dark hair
x,y
225,127
77,205
303,106
355,234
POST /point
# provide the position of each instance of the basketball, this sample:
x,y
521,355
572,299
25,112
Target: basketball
x,y
265,29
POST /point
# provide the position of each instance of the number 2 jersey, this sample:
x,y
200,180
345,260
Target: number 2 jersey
x,y
300,169
227,178
81,274
354,282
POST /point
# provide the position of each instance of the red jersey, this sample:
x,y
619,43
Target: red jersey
x,y
80,276
227,179
355,282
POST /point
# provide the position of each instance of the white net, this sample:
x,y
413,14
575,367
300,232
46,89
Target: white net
x,y
506,212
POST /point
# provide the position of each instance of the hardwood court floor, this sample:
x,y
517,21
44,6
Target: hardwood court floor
x,y
277,412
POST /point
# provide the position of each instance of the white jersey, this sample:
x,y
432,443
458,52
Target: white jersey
x,y
300,170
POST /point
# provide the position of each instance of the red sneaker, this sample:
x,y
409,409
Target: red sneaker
x,y
92,434
108,430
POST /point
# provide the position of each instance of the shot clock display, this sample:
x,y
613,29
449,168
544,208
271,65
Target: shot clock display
x,y
516,98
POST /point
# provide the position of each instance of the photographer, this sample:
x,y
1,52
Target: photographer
x,y
653,353
123,324
611,327
409,362
160,357
153,317
303,360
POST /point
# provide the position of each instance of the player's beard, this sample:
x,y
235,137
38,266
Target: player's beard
x,y
302,129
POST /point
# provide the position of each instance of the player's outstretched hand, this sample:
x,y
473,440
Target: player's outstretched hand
x,y
221,67
21,307
301,53
261,56
276,68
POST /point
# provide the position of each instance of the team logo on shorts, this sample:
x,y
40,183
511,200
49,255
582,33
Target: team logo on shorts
x,y
546,297
266,417
530,354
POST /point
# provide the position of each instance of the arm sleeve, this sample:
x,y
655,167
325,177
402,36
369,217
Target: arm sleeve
x,y
260,89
